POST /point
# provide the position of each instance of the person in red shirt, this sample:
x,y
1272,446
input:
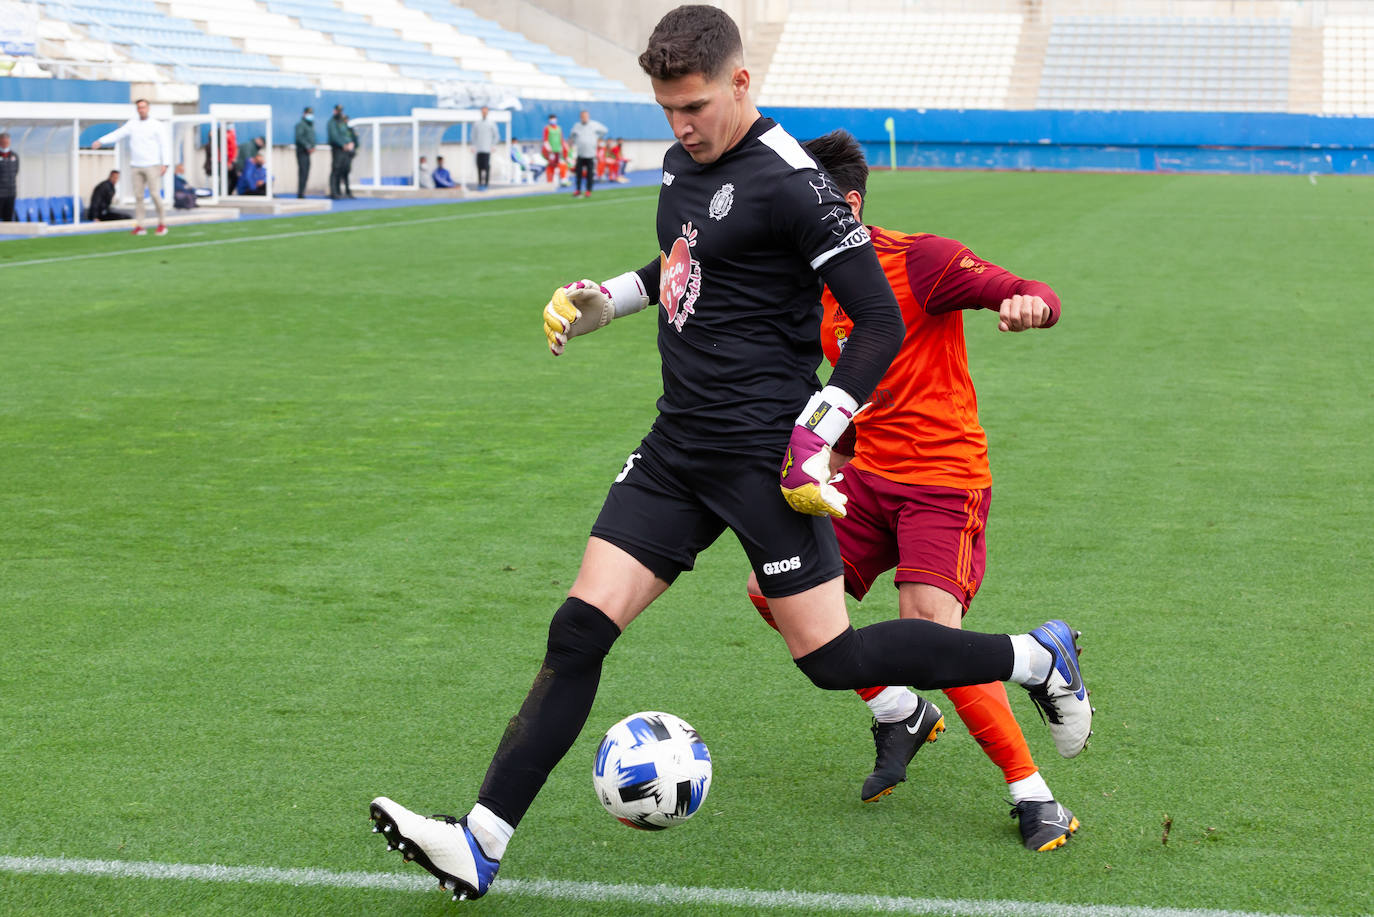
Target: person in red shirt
x,y
918,485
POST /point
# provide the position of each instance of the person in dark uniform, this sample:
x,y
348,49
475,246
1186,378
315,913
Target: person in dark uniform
x,y
749,227
305,145
9,178
340,152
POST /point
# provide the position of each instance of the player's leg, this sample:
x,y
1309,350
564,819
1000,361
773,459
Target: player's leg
x,y
797,561
926,655
647,533
944,555
903,721
464,854
798,565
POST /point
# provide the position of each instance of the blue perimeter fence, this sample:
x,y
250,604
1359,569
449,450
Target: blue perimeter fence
x,y
1111,141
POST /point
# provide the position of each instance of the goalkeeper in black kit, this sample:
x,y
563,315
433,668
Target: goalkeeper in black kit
x,y
748,228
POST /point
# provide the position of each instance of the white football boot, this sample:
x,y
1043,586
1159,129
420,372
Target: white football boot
x,y
1063,698
441,844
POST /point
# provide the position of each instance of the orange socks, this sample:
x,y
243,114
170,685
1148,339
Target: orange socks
x,y
986,712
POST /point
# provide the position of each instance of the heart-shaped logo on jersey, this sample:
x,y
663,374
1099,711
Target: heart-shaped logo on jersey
x,y
679,282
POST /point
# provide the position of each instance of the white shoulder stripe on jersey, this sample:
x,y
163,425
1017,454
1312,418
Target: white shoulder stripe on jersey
x,y
786,146
856,238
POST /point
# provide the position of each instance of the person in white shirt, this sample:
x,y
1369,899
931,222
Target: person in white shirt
x,y
484,135
149,146
426,173
585,135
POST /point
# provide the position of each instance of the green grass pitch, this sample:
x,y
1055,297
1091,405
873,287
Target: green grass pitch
x,y
287,505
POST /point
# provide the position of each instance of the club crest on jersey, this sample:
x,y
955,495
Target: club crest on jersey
x,y
679,283
722,201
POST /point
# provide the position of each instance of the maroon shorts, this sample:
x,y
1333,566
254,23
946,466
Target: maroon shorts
x,y
932,535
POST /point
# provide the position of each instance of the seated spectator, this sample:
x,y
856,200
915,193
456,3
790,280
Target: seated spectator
x,y
253,178
441,177
526,163
426,173
183,195
100,201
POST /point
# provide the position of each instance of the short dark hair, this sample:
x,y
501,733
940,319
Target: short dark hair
x,y
692,39
841,155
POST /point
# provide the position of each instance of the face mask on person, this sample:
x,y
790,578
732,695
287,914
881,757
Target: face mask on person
x,y
309,117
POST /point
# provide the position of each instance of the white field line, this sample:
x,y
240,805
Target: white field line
x,y
145,249
554,890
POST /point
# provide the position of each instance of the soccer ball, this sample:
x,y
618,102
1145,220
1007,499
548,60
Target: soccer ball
x,y
652,771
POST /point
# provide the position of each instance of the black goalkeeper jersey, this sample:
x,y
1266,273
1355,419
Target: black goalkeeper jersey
x,y
744,242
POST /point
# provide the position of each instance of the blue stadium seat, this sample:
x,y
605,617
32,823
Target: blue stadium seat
x,y
44,209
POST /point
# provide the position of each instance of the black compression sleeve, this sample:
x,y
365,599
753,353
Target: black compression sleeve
x,y
649,274
861,288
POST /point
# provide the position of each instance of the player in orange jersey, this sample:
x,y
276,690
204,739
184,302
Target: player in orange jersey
x,y
601,146
919,484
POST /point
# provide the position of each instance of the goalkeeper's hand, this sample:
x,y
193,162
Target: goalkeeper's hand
x,y
578,308
586,305
807,483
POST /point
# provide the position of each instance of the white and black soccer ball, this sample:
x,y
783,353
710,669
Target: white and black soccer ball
x,y
652,771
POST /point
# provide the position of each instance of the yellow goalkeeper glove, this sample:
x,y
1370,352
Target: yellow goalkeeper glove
x,y
585,305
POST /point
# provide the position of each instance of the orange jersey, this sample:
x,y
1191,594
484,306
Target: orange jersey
x,y
922,426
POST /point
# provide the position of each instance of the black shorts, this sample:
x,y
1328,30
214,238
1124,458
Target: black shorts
x,y
668,505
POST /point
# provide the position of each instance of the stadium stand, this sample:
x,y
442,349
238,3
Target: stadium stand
x,y
514,60
308,54
85,57
1348,66
909,60
144,33
933,60
346,45
1166,63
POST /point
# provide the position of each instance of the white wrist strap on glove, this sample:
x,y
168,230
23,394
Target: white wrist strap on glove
x,y
822,417
627,293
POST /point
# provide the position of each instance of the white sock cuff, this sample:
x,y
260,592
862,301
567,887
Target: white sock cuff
x,y
491,831
1031,662
1033,787
893,704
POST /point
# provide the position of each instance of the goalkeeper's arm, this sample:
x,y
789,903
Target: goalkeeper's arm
x,y
585,305
862,291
